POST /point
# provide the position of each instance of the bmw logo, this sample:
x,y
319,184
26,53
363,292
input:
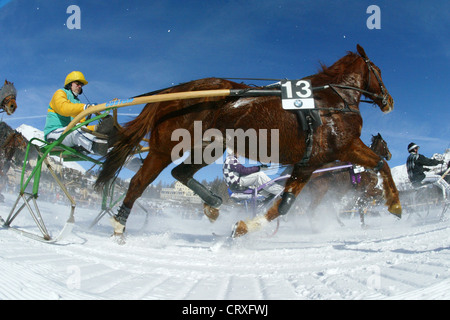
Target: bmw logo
x,y
298,103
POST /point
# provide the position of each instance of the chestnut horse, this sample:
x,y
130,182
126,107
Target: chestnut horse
x,y
8,96
359,188
337,92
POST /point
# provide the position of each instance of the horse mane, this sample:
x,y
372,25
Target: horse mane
x,y
336,72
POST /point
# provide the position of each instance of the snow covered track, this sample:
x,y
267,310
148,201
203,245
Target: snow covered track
x,y
173,258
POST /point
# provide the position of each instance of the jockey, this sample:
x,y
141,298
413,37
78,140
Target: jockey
x,y
415,169
64,106
237,176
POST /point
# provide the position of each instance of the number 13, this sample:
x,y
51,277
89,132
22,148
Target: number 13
x,y
302,89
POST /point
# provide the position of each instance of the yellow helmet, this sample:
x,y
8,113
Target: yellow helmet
x,y
75,76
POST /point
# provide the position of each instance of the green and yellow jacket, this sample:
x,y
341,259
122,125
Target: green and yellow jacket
x,y
63,107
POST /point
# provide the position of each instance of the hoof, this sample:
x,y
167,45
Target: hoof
x,y
396,210
119,238
210,212
239,229
118,227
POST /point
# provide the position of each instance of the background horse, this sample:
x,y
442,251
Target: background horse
x,y
8,96
12,151
337,97
358,189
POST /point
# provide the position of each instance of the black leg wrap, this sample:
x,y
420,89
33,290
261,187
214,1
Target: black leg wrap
x,y
122,214
205,194
287,200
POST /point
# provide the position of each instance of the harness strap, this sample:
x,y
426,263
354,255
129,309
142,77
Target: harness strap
x,y
379,165
308,141
355,178
287,200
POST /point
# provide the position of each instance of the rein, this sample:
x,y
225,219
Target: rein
x,y
252,92
365,91
333,168
258,92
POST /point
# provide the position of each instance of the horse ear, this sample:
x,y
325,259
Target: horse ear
x,y
361,51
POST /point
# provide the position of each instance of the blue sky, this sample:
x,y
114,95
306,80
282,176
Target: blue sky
x,y
126,48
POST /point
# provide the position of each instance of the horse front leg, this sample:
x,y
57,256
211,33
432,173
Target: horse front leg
x,y
294,185
362,155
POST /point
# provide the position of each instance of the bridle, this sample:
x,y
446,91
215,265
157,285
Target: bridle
x,y
383,96
371,69
384,93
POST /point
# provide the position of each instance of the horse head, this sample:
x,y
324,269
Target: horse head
x,y
379,146
375,87
8,95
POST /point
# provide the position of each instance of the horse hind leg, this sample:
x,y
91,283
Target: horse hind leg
x,y
280,207
150,169
211,202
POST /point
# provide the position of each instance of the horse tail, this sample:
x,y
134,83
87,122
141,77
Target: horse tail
x,y
128,140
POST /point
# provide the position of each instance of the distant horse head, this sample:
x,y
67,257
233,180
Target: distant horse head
x,y
8,94
379,146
